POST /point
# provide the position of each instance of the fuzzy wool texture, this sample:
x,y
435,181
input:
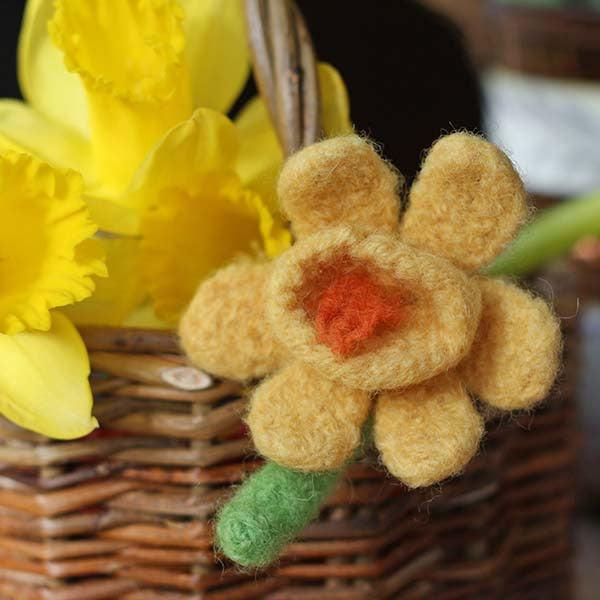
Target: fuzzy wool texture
x,y
340,180
263,517
427,432
467,204
303,421
516,352
223,328
442,310
354,308
459,334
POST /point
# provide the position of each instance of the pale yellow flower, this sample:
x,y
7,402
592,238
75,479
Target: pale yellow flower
x,y
113,90
47,260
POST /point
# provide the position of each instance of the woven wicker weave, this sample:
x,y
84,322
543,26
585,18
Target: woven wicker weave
x,y
126,513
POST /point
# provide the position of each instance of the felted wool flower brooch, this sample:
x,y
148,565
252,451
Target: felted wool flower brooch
x,y
370,313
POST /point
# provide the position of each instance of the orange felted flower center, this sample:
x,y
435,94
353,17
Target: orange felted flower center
x,y
354,308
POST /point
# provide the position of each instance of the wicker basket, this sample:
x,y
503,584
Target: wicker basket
x,y
126,513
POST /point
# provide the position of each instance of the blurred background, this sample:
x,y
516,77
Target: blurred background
x,y
524,72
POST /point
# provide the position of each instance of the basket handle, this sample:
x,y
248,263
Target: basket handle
x,y
285,69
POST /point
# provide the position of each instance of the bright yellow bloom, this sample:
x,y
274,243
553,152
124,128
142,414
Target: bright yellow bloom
x,y
112,89
47,260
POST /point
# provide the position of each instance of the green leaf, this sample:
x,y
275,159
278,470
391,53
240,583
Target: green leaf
x,y
551,235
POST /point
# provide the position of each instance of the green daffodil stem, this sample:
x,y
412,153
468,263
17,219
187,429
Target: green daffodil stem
x,y
267,512
549,236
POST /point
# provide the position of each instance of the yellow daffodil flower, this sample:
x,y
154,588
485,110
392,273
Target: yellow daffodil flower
x,y
47,260
132,95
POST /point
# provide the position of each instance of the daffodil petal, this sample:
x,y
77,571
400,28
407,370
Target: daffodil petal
x,y
335,104
29,131
112,217
117,295
45,82
276,236
216,51
144,124
258,165
44,381
260,157
205,143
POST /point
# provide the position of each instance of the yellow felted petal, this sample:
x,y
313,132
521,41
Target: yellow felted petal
x,y
340,181
467,203
45,82
28,131
228,312
302,421
130,56
515,355
44,242
44,381
121,292
428,432
216,51
197,215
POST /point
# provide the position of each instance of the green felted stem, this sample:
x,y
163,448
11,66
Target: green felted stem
x,y
551,235
270,508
